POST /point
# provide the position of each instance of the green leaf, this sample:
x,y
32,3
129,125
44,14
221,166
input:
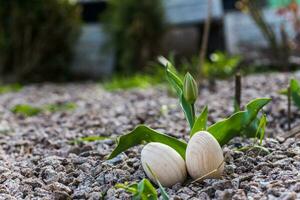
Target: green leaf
x,y
143,190
174,80
295,92
146,191
261,128
142,134
163,192
251,130
233,126
201,122
188,111
177,84
283,92
132,188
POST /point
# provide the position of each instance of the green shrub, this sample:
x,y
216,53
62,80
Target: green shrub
x,y
220,66
37,38
135,28
10,88
143,81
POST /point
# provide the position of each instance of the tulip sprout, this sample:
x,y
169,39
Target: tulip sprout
x,y
190,93
240,123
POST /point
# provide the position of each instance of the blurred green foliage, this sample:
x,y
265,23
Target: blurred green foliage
x,y
60,107
135,28
10,88
220,66
143,81
37,38
28,110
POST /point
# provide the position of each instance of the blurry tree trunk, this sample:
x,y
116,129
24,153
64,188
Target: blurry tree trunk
x,y
285,48
204,42
256,14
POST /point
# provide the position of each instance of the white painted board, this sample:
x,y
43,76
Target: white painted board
x,y
191,11
240,30
90,58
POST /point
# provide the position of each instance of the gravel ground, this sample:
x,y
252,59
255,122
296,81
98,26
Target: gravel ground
x,y
38,161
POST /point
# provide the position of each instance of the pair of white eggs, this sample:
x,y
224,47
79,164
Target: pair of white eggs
x,y
203,155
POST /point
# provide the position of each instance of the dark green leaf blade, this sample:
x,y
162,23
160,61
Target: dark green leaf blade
x,y
174,80
177,84
200,122
143,133
233,126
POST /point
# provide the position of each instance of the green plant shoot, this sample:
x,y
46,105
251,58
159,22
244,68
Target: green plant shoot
x,y
261,129
223,130
238,124
177,84
143,190
201,122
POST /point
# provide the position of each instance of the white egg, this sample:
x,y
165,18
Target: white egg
x,y
167,165
203,155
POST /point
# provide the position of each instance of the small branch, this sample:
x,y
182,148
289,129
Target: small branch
x,y
238,90
194,113
289,107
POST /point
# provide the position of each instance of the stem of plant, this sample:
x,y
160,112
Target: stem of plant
x,y
238,88
289,108
194,113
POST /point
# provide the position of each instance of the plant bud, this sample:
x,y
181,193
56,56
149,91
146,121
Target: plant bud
x,y
190,89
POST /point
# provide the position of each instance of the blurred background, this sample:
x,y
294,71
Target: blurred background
x,y
118,41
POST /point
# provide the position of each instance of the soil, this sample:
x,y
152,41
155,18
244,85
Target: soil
x,y
39,159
